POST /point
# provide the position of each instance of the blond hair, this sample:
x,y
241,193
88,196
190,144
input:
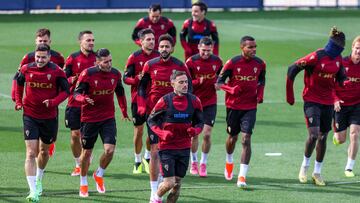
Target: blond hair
x,y
357,39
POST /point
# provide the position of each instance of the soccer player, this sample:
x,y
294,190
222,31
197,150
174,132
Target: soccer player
x,y
42,36
347,109
196,28
46,87
244,90
156,76
204,68
132,77
95,91
155,21
74,65
323,68
176,118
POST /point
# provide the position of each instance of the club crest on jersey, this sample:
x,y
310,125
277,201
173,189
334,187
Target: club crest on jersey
x,y
96,82
347,69
27,133
48,76
162,27
141,63
322,66
166,167
310,119
238,69
214,67
78,64
31,75
155,72
338,64
112,81
255,69
198,68
149,26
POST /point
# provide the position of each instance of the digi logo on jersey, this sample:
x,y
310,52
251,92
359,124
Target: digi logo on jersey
x,y
103,92
326,75
352,79
209,76
42,85
245,78
162,83
181,115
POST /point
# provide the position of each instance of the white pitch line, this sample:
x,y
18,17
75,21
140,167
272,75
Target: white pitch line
x,y
344,183
5,95
285,30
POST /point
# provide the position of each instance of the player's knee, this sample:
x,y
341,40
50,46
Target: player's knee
x,y
75,134
246,140
31,154
86,154
354,136
109,152
43,152
206,137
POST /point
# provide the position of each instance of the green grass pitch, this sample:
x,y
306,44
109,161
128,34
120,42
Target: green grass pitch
x,y
282,37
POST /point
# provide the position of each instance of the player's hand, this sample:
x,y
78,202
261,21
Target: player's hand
x,y
89,100
74,79
18,107
217,86
126,118
140,75
337,105
141,110
236,90
260,100
191,131
47,103
167,134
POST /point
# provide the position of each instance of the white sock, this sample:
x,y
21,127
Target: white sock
x,y
100,172
243,170
83,180
154,187
194,157
229,158
204,157
39,173
156,197
306,162
350,164
137,158
147,154
31,182
77,161
317,167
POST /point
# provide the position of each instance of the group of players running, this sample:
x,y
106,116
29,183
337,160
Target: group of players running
x,y
176,100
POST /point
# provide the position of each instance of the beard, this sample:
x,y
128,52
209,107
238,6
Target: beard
x,y
165,55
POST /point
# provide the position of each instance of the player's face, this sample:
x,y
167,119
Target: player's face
x,y
105,63
249,49
154,16
43,40
148,42
42,58
180,84
165,49
205,51
355,54
197,14
87,42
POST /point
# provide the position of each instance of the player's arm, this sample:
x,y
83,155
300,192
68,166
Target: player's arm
x,y
195,81
20,89
197,120
120,94
183,34
341,76
261,85
155,120
14,81
81,92
215,37
63,85
135,36
225,73
141,95
129,74
68,68
61,61
172,31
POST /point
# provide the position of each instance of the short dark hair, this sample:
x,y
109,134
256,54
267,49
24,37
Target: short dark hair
x,y
202,5
43,47
206,41
82,33
246,38
155,7
103,52
176,73
144,32
42,32
168,38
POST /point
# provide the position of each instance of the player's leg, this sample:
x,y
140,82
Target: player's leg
x,y
352,150
72,121
194,169
138,143
154,161
341,123
167,160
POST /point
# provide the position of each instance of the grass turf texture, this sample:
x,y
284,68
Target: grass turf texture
x,y
282,37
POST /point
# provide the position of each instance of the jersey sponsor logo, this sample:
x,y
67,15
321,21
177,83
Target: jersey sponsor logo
x,y
103,92
112,81
245,78
206,76
42,85
326,75
353,79
48,76
161,83
181,115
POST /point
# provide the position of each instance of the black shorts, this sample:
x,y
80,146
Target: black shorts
x,y
137,119
154,139
209,113
72,117
240,121
318,115
348,115
174,162
45,129
89,132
